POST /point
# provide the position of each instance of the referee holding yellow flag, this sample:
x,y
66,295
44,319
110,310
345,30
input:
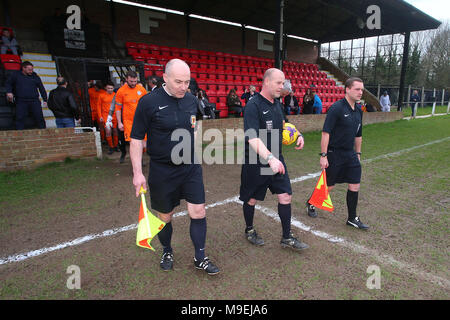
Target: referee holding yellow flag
x,y
341,148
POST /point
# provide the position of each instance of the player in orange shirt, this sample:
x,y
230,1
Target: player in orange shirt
x,y
103,105
127,98
94,92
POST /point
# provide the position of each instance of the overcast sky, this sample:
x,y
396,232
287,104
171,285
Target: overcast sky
x,y
438,9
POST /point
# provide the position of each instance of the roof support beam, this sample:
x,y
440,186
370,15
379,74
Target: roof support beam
x,y
278,39
403,71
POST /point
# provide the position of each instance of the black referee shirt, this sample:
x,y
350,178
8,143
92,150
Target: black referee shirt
x,y
158,115
343,124
259,114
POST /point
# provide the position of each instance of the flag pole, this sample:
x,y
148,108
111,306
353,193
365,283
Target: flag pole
x,y
142,192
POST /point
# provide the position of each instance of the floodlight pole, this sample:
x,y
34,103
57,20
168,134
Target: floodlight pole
x,y
403,70
279,36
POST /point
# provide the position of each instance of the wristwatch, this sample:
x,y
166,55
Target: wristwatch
x,y
323,154
270,156
358,153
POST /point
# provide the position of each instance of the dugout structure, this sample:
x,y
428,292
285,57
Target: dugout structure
x,y
78,71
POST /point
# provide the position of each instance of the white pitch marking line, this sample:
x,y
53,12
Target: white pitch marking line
x,y
110,232
75,242
89,237
383,258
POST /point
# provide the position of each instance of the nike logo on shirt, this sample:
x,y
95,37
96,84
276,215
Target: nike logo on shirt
x,y
346,115
264,112
160,108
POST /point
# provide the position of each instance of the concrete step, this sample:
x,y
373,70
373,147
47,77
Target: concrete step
x,y
41,63
49,86
45,72
332,77
47,78
47,113
50,122
36,56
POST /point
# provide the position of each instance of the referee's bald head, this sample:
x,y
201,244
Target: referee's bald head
x,y
177,76
177,64
273,81
271,72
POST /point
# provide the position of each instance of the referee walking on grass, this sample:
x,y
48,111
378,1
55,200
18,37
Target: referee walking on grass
x,y
263,114
341,148
158,115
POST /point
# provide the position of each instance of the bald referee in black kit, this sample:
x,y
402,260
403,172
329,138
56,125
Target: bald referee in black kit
x,y
341,148
263,112
159,114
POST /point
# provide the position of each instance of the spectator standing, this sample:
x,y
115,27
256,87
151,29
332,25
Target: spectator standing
x,y
385,102
62,104
193,86
415,98
24,86
317,104
152,83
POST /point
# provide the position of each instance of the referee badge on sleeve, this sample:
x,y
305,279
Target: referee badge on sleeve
x,y
193,119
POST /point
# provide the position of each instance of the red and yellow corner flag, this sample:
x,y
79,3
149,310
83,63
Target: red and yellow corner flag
x,y
148,225
320,197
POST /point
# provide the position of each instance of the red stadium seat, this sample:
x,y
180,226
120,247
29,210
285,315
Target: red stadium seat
x,y
212,90
223,112
131,45
229,87
10,58
132,51
222,91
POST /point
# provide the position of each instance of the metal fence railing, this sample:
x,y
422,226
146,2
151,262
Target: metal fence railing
x,y
427,96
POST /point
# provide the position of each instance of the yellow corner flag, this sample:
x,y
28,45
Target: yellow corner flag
x,y
148,225
320,197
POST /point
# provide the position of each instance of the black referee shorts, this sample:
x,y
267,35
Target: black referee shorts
x,y
343,167
169,183
254,185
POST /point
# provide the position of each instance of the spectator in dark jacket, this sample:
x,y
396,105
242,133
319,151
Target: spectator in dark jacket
x,y
23,86
234,103
62,104
249,93
308,101
291,104
193,86
8,42
205,108
415,98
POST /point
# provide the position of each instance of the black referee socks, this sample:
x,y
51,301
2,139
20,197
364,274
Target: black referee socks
x,y
352,202
249,212
198,236
165,236
284,211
